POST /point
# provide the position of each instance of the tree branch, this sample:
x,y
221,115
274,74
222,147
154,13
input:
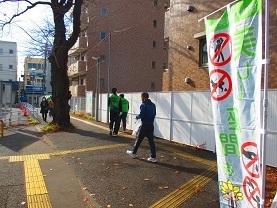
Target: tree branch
x,y
76,23
32,5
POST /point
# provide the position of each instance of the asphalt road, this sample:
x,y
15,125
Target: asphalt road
x,y
85,167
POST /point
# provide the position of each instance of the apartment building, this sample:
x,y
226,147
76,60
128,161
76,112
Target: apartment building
x,y
127,37
187,50
33,79
8,61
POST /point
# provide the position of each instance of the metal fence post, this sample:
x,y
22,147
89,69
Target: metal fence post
x,y
10,120
19,116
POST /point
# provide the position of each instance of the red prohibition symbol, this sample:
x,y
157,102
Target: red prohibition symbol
x,y
252,191
220,49
250,158
218,86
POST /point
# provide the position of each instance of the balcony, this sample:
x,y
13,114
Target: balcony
x,y
77,68
78,90
80,46
84,20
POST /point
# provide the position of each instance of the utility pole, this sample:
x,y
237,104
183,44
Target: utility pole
x,y
44,71
97,88
109,71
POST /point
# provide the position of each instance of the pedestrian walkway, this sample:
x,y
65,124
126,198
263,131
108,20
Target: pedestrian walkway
x,y
85,167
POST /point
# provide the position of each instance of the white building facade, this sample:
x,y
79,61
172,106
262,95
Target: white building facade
x,y
8,61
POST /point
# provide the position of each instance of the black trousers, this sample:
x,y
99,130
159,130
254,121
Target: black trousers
x,y
44,116
123,119
114,121
146,130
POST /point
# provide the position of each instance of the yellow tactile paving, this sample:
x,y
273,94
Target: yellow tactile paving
x,y
179,196
36,191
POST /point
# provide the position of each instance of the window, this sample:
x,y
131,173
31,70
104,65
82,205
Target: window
x,y
102,59
165,5
203,55
1,67
28,82
10,66
153,64
101,82
35,66
39,66
82,81
153,87
165,44
10,51
104,12
102,35
155,3
29,66
1,51
154,23
154,44
164,66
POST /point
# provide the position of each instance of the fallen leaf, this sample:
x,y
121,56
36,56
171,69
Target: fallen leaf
x,y
23,203
73,157
180,188
79,158
108,206
107,168
174,158
116,164
80,163
147,179
161,188
51,169
85,188
85,199
215,200
162,156
165,187
177,172
131,205
92,195
124,188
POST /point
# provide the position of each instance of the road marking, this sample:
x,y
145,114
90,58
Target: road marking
x,y
36,191
86,149
179,196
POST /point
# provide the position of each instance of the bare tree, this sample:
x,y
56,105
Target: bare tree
x,y
59,57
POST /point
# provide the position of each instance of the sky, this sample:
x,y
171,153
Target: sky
x,y
16,31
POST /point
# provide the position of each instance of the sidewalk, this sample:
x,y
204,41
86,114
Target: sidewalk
x,y
183,177
85,167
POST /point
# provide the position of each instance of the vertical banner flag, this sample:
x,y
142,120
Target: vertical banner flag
x,y
234,44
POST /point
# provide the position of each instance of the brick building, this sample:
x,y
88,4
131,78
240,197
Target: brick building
x,y
128,38
186,51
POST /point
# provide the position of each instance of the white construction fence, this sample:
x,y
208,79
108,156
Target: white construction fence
x,y
186,117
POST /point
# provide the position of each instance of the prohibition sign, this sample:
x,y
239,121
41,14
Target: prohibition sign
x,y
223,41
250,158
252,191
225,77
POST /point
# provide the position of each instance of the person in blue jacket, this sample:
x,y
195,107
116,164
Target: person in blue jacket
x,y
147,116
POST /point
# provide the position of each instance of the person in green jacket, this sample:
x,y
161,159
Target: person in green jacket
x,y
115,107
125,109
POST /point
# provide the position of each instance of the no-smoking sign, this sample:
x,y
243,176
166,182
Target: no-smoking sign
x,y
221,84
220,49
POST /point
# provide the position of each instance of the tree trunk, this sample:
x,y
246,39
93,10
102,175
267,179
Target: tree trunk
x,y
59,59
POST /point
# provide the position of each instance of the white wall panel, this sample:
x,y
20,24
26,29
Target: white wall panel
x,y
181,104
181,132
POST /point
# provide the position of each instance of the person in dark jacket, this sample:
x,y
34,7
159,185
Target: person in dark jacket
x,y
147,115
115,107
44,108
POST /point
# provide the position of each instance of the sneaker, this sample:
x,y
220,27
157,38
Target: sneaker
x,y
110,133
129,152
151,159
114,135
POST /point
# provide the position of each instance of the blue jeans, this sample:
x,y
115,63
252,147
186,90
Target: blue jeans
x,y
146,130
